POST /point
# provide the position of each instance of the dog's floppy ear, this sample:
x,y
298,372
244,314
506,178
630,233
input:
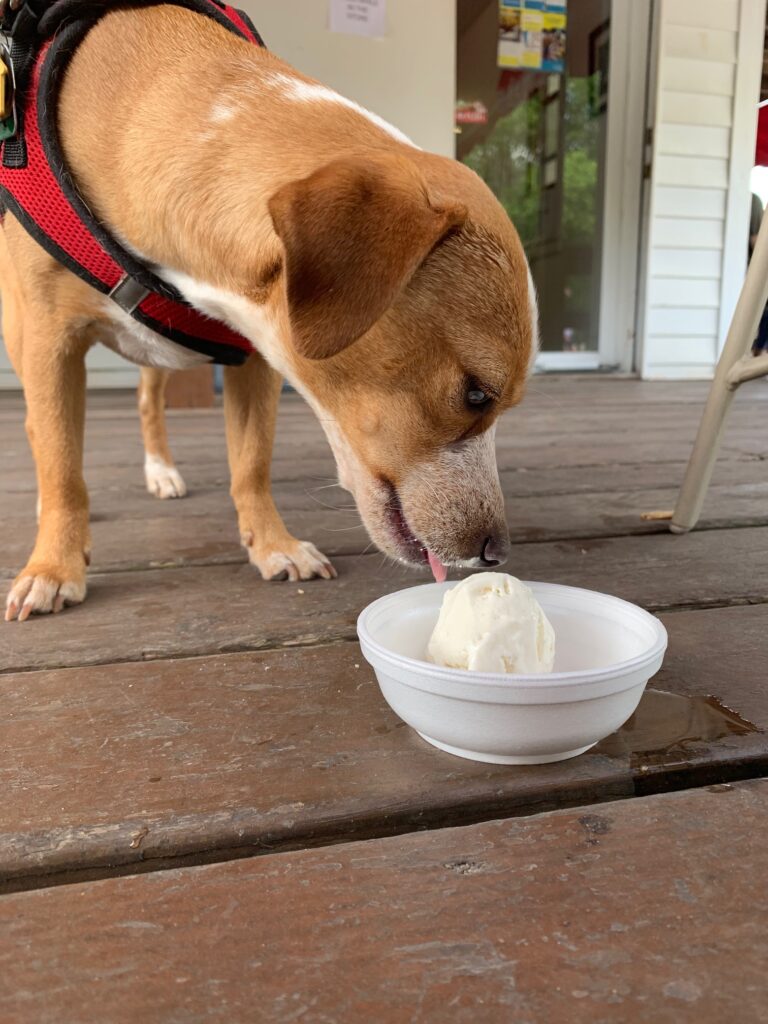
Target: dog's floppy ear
x,y
354,233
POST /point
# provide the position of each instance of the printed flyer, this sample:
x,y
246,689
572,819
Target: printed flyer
x,y
532,35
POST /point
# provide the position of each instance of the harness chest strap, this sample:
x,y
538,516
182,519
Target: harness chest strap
x,y
36,186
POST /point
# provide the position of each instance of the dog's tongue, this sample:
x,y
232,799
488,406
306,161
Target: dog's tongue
x,y
439,571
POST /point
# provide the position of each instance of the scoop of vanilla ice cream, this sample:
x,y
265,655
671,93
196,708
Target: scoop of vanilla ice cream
x,y
491,622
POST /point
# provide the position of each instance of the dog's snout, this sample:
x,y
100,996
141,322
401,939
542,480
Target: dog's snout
x,y
495,550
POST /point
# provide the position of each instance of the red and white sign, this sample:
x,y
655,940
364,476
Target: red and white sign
x,y
472,113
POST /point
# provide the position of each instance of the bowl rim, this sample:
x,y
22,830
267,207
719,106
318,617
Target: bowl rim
x,y
574,677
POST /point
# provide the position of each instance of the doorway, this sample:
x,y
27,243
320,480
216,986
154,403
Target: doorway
x,y
550,113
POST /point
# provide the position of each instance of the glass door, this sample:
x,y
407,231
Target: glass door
x,y
534,98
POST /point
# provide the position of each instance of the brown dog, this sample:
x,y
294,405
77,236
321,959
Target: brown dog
x,y
385,283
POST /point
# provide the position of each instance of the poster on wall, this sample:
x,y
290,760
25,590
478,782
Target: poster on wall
x,y
532,35
553,38
358,17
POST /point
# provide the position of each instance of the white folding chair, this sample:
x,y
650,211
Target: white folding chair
x,y
735,366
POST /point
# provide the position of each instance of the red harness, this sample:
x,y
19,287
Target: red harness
x,y
36,186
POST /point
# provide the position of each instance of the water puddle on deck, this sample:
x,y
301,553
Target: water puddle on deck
x,y
667,728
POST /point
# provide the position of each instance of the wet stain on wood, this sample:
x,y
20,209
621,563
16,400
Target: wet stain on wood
x,y
667,728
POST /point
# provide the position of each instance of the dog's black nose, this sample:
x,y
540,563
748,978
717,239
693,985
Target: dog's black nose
x,y
495,550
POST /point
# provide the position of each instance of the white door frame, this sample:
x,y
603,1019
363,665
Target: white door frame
x,y
622,194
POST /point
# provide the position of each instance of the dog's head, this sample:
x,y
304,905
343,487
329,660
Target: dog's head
x,y
412,322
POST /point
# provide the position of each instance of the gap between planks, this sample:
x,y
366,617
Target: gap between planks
x,y
372,828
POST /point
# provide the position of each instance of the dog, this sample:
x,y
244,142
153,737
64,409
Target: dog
x,y
386,284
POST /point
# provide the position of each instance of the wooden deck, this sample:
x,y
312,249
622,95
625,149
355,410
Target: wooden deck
x,y
190,714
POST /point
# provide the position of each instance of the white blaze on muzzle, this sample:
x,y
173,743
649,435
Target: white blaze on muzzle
x,y
455,500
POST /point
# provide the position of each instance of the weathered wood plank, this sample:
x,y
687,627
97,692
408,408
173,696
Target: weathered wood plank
x,y
515,435
143,533
310,461
585,501
571,387
200,610
119,490
295,747
598,426
629,910
566,390
543,413
235,751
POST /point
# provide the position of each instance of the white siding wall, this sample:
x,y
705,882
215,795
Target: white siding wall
x,y
710,56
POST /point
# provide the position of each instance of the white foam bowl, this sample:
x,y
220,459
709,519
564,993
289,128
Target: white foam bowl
x,y
606,650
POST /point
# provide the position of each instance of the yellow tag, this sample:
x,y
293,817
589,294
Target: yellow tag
x,y
5,91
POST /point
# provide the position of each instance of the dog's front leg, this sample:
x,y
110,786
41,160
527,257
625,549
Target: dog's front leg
x,y
251,396
53,374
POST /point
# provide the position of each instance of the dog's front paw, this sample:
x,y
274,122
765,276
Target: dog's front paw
x,y
40,589
294,560
163,481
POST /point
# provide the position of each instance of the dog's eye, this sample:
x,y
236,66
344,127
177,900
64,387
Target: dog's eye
x,y
477,398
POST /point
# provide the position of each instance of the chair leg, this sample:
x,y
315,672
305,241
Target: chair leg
x,y
728,376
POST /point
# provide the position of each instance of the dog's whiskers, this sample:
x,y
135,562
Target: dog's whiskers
x,y
543,394
332,508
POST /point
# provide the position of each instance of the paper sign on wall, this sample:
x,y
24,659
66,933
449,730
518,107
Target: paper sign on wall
x,y
359,17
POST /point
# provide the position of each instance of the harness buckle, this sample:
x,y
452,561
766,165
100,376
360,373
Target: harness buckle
x,y
129,293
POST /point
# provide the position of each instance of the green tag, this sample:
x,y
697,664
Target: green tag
x,y
7,113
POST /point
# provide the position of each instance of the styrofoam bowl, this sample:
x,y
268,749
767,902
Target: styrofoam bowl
x,y
606,650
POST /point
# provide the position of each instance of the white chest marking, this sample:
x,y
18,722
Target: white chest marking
x,y
253,321
258,326
142,346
